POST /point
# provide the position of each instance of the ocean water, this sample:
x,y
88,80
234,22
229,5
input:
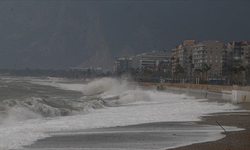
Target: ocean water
x,y
32,108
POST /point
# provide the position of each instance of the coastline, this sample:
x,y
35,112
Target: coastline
x,y
233,140
157,135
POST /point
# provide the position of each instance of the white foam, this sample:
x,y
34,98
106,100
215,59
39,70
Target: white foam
x,y
58,84
107,85
151,106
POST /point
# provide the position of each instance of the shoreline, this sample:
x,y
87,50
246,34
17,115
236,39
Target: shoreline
x,y
238,118
233,140
147,134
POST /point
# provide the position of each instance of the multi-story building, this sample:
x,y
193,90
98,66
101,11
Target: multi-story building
x,y
209,53
150,59
174,59
185,55
182,55
240,52
122,64
227,60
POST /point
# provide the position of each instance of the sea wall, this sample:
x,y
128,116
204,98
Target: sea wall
x,y
235,94
239,96
199,86
200,93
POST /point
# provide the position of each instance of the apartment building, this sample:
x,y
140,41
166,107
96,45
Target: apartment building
x,y
182,55
239,53
122,64
209,53
174,59
185,55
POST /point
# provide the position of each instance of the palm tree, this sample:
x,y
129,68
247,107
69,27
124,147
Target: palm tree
x,y
240,74
179,71
234,71
198,72
206,69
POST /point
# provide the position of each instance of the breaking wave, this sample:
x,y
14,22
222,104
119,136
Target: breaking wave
x,y
35,108
100,93
134,96
107,85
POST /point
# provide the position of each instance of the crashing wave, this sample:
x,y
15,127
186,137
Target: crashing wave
x,y
107,85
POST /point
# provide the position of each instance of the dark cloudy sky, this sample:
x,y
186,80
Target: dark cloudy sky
x,y
61,34
177,20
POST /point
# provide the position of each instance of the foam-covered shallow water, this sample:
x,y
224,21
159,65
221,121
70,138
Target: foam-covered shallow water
x,y
31,108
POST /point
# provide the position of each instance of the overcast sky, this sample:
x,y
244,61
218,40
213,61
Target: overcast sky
x,y
43,34
177,20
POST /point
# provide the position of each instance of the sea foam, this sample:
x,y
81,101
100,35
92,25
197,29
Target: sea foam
x,y
138,106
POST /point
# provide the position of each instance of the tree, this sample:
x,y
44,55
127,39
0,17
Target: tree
x,y
179,70
206,69
248,74
197,73
240,74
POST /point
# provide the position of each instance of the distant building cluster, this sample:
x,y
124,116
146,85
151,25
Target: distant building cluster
x,y
151,60
190,56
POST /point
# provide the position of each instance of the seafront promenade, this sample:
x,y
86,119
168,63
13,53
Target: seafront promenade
x,y
198,86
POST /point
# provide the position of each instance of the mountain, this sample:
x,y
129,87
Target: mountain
x,y
62,34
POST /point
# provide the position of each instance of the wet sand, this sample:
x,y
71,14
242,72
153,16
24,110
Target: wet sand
x,y
236,140
142,136
239,140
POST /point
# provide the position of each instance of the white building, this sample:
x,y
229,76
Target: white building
x,y
151,58
122,64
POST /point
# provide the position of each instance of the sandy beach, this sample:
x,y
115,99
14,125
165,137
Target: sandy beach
x,y
163,134
236,140
239,140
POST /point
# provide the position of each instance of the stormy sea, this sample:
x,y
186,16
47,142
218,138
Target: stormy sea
x,y
104,113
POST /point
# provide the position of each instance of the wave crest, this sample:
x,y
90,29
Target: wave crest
x,y
105,85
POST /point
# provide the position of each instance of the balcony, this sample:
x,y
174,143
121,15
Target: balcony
x,y
237,57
